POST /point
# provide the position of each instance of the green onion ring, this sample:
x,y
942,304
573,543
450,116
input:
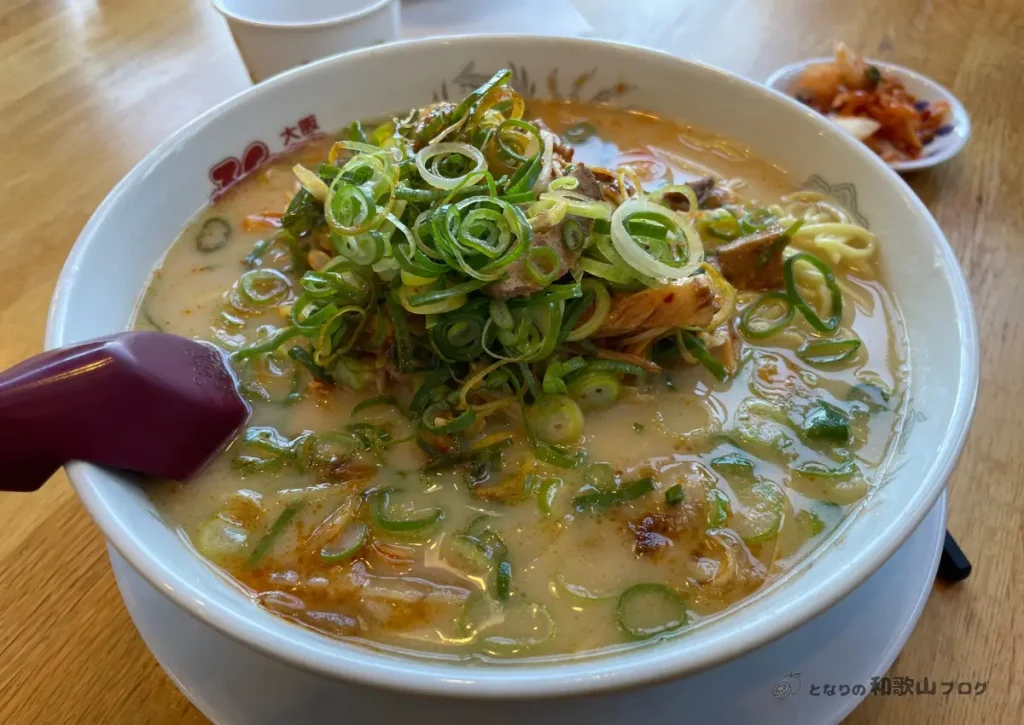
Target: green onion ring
x,y
695,347
263,287
831,324
828,352
759,333
637,594
602,305
542,265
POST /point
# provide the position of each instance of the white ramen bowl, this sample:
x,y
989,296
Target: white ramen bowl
x,y
275,35
942,148
134,226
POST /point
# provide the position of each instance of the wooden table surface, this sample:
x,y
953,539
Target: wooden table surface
x,y
87,88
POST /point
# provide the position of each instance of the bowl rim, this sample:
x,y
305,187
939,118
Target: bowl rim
x,y
370,7
606,673
960,118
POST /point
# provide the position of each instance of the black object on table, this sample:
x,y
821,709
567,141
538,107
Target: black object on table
x,y
953,565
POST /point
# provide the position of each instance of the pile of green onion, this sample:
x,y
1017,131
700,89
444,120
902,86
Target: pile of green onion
x,y
422,214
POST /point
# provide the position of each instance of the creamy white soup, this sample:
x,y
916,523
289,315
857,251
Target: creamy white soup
x,y
529,379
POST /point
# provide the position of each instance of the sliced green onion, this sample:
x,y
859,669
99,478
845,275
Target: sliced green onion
x,y
430,297
615,366
506,628
546,493
553,383
648,610
444,151
531,380
763,518
828,352
373,402
542,265
573,235
594,389
364,249
514,127
523,197
755,221
734,467
576,204
304,214
601,476
718,508
606,499
559,292
214,235
526,176
555,419
831,324
468,456
818,472
384,519
810,522
275,530
403,340
695,347
459,336
436,412
265,440
606,271
720,225
501,315
444,300
674,495
843,486
503,580
826,423
639,257
263,288
268,345
749,319
310,181
346,545
602,305
558,456
636,227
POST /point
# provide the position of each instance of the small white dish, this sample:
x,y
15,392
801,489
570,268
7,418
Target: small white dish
x,y
942,148
273,36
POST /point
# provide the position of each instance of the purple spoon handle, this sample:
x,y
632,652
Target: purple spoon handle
x,y
142,401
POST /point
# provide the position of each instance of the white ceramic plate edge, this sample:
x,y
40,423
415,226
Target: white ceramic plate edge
x,y
959,118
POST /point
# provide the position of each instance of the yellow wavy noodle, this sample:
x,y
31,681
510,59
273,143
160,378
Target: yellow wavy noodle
x,y
811,284
829,232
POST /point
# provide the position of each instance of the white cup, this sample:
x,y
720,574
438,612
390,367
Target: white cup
x,y
275,35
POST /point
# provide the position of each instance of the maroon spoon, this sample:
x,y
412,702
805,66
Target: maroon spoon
x,y
145,402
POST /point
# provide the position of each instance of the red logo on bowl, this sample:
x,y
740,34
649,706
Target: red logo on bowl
x,y
227,172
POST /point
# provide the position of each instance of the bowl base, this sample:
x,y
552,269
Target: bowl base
x,y
783,682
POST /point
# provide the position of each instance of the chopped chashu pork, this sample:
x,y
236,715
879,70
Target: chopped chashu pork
x,y
516,283
754,262
687,303
708,196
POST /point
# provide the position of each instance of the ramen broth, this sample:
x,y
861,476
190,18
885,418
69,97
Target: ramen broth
x,y
724,510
